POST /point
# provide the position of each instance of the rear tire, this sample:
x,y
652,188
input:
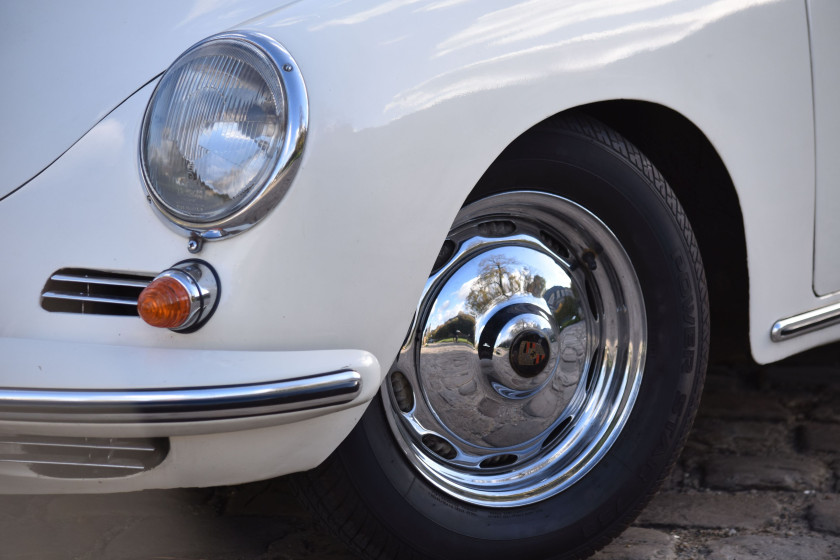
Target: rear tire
x,y
419,477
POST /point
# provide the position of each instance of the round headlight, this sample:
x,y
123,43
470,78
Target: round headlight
x,y
223,133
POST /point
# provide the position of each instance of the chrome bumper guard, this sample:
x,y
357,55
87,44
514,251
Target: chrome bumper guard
x,y
175,405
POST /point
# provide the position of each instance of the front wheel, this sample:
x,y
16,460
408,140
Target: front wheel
x,y
552,370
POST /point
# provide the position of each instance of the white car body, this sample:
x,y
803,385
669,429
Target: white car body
x,y
410,102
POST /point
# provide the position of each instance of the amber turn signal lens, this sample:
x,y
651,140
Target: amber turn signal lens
x,y
165,303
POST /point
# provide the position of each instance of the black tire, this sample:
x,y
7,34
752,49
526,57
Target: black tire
x,y
375,498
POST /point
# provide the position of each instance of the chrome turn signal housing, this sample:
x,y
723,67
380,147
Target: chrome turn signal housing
x,y
181,298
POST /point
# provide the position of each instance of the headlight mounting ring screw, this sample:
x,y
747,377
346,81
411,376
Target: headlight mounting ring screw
x,y
194,244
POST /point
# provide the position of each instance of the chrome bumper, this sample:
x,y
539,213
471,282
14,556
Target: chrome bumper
x,y
172,405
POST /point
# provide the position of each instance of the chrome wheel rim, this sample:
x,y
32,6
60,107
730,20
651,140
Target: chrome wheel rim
x,y
525,355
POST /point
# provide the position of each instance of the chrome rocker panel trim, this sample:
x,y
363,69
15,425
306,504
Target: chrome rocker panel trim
x,y
805,322
167,405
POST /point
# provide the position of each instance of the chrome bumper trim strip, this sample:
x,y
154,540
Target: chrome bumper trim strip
x,y
122,282
23,441
75,464
85,297
184,404
805,323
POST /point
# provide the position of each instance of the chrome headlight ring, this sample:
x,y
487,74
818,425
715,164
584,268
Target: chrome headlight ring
x,y
195,76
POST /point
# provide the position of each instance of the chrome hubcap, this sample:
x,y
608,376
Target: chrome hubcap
x,y
526,352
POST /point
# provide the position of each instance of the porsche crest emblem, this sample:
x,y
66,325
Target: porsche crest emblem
x,y
530,353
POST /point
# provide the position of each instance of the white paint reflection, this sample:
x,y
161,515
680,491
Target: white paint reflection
x,y
534,18
600,38
233,11
203,7
289,21
365,15
107,137
441,4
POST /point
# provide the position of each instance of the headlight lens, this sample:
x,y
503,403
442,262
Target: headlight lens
x,y
222,131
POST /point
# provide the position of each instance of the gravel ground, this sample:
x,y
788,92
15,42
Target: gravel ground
x,y
759,479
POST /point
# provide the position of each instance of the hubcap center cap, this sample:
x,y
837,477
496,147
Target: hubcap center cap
x,y
529,354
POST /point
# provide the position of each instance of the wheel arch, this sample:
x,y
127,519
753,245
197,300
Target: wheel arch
x,y
702,183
